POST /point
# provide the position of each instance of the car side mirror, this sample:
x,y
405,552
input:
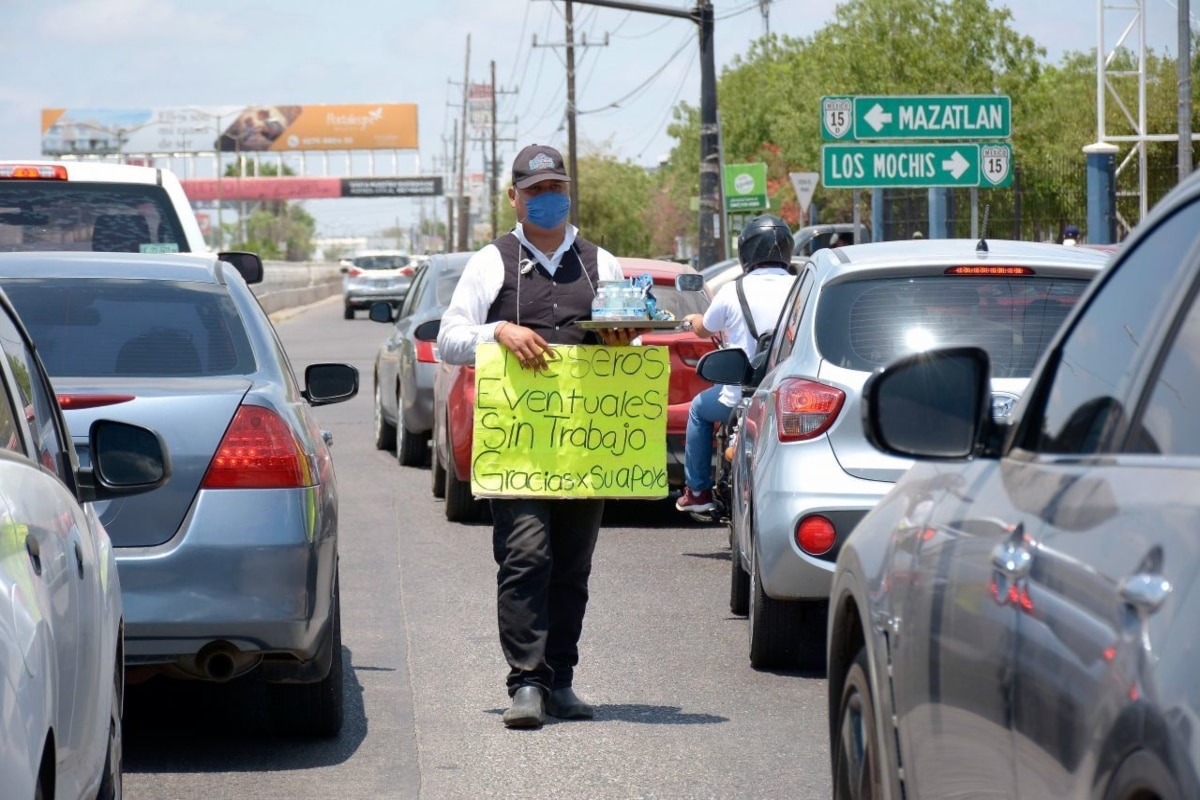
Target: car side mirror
x,y
730,367
248,265
381,312
935,404
427,331
125,459
690,282
325,384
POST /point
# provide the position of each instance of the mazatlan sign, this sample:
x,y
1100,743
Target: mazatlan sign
x,y
916,117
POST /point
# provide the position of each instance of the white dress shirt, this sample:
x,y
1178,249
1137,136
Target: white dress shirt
x,y
464,323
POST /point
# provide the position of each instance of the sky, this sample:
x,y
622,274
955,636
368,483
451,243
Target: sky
x,y
122,54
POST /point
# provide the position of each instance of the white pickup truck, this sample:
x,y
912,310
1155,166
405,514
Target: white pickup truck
x,y
98,206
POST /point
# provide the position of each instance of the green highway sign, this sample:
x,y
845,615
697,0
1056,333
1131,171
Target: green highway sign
x,y
886,166
746,187
864,117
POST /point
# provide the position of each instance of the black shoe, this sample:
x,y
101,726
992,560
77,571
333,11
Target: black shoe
x,y
528,709
563,704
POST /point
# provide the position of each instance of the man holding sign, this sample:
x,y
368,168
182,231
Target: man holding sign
x,y
526,291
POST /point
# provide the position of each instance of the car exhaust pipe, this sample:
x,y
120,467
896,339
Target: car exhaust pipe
x,y
221,661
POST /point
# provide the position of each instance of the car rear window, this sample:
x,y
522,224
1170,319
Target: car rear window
x,y
102,327
381,262
862,325
102,217
680,304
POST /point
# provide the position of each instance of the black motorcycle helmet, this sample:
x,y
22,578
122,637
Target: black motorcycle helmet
x,y
766,239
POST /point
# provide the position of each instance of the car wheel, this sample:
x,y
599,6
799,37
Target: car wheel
x,y
313,709
348,312
385,432
437,473
114,759
1142,774
460,503
781,631
739,580
412,449
857,750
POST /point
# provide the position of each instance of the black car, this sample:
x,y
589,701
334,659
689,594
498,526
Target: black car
x,y
1019,616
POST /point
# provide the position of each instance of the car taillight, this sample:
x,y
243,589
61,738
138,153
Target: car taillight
x,y
805,409
27,172
259,451
354,272
70,402
427,352
690,352
408,271
992,270
816,535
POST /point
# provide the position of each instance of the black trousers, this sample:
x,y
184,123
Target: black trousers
x,y
543,549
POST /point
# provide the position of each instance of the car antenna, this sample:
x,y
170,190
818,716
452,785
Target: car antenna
x,y
982,247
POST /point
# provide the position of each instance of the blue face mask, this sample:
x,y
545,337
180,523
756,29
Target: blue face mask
x,y
548,209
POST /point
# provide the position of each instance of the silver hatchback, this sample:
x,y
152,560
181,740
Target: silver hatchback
x,y
803,473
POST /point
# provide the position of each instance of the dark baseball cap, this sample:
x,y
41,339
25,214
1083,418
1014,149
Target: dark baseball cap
x,y
537,163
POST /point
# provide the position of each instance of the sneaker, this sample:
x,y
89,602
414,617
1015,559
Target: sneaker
x,y
695,501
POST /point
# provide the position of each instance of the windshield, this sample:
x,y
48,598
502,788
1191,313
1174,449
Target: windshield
x,y
104,217
863,325
381,262
99,327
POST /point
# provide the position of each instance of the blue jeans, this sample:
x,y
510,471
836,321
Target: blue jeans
x,y
706,412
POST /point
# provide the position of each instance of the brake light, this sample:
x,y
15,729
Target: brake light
x,y
805,409
74,402
354,272
690,352
45,172
407,271
816,535
259,451
990,271
427,352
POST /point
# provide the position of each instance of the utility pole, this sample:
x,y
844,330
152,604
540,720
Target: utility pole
x,y
464,202
493,186
572,156
1185,90
451,235
765,7
712,240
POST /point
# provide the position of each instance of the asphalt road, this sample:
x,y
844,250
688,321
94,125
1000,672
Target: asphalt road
x,y
680,713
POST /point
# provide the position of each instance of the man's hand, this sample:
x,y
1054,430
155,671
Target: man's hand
x,y
695,323
618,336
529,348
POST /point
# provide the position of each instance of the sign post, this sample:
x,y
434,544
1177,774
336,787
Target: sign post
x,y
917,165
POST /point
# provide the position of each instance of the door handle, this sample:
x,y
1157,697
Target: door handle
x,y
1012,557
79,559
35,553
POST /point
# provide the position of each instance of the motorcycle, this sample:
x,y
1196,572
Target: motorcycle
x,y
725,440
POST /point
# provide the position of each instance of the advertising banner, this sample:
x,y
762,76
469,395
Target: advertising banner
x,y
297,188
592,425
101,131
746,187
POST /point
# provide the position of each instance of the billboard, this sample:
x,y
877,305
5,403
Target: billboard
x,y
201,190
109,131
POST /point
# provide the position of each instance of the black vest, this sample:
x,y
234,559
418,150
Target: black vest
x,y
550,306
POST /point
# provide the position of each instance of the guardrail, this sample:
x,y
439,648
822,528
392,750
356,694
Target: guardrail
x,y
288,284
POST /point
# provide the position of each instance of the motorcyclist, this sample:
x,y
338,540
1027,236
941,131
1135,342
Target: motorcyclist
x,y
742,310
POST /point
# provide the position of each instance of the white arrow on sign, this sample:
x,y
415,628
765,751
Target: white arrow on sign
x,y
877,117
805,184
956,165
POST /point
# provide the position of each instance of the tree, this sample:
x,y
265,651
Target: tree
x,y
275,229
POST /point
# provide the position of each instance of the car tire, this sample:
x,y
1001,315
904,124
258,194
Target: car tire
x,y
348,312
784,634
385,432
1142,774
437,473
313,709
739,580
114,760
857,748
460,503
412,449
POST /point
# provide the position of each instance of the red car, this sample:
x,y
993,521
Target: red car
x,y
454,394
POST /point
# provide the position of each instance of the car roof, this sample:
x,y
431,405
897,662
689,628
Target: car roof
x,y
937,254
94,171
194,267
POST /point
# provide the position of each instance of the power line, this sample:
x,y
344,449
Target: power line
x,y
644,84
670,106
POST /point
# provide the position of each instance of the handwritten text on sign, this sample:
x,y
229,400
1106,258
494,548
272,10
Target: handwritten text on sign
x,y
592,425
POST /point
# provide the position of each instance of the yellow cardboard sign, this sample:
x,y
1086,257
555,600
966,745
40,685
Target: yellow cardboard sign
x,y
593,425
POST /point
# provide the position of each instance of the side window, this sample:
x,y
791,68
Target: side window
x,y
50,443
10,429
789,321
410,300
1090,382
1168,421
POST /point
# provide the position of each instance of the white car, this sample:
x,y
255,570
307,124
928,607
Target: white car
x,y
376,276
61,620
90,205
